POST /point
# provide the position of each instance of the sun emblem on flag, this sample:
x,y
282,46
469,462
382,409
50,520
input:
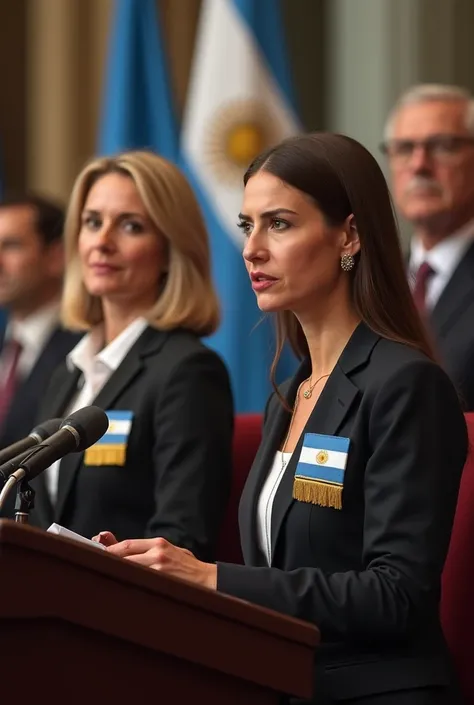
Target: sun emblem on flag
x,y
322,457
239,132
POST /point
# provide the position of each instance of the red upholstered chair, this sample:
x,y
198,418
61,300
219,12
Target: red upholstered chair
x,y
247,435
457,602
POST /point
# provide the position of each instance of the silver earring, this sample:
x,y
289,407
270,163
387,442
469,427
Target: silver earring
x,y
347,262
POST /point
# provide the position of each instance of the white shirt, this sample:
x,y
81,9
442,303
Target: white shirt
x,y
97,366
443,258
265,503
32,333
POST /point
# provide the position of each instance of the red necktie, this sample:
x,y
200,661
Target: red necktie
x,y
11,351
423,275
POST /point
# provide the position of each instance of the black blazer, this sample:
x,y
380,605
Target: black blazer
x,y
23,412
367,575
452,325
176,478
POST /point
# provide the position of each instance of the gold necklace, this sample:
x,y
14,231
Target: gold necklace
x,y
309,392
307,395
283,462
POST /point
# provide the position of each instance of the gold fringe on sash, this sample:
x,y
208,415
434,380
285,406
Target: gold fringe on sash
x,y
103,454
317,492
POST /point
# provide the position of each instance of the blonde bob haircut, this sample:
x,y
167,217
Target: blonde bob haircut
x,y
187,298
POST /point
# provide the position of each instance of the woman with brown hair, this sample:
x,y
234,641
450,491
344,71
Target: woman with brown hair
x,y
346,515
138,280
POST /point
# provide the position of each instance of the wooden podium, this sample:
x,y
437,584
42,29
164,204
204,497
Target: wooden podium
x,y
78,625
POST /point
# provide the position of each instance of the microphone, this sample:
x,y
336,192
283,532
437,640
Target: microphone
x,y
38,434
10,466
78,431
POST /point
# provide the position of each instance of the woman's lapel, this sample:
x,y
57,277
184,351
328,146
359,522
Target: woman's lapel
x,y
335,402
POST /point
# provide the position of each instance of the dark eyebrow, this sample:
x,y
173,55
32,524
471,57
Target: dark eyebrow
x,y
11,238
120,215
269,214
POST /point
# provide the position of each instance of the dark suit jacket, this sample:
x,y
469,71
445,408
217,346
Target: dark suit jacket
x,y
177,474
452,325
367,575
23,412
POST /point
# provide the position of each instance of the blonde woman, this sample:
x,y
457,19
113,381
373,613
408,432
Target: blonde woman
x,y
138,280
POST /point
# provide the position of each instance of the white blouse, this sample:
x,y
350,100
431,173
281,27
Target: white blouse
x,y
265,503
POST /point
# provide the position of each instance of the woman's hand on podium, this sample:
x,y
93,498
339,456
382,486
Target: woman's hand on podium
x,y
106,538
161,555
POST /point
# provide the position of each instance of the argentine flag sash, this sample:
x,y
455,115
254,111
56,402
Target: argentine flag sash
x,y
111,449
319,474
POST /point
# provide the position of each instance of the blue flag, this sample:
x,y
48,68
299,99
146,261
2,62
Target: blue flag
x,y
239,103
137,111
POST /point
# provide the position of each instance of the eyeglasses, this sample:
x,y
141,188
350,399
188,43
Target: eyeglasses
x,y
439,147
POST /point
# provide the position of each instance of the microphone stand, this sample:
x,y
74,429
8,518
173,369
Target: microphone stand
x,y
25,499
25,502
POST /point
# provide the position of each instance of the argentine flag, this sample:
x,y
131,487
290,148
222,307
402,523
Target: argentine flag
x,y
239,103
137,107
323,458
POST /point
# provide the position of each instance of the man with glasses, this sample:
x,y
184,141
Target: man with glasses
x,y
429,142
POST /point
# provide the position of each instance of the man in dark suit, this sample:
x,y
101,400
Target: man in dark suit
x,y
33,343
429,140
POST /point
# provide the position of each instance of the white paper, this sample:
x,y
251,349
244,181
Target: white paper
x,y
62,531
